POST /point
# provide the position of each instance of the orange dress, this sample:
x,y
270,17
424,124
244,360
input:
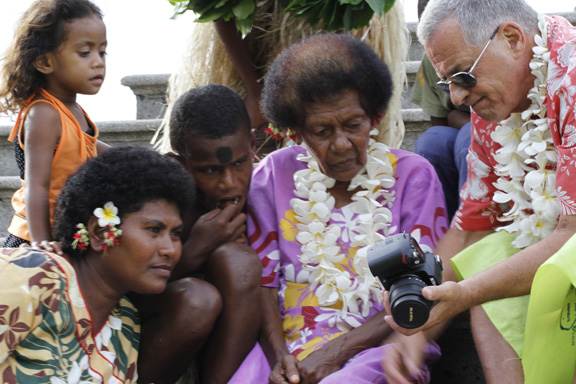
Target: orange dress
x,y
73,149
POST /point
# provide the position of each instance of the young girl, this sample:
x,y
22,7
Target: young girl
x,y
58,51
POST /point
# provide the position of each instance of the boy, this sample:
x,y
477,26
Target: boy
x,y
218,313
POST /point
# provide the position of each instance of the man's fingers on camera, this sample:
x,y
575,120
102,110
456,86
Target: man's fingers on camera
x,y
386,301
447,291
429,293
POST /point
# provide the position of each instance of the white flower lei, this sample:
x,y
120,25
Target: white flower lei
x,y
320,252
527,159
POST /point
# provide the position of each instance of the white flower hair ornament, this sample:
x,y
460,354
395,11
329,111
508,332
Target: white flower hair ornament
x,y
107,219
107,215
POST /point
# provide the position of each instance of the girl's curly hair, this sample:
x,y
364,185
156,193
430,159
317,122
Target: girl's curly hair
x,y
128,177
42,29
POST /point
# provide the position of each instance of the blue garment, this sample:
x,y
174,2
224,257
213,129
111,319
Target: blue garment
x,y
446,149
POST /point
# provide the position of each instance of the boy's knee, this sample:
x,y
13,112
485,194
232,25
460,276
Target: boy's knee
x,y
237,264
191,298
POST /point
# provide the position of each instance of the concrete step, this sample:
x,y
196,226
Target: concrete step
x,y
150,90
122,132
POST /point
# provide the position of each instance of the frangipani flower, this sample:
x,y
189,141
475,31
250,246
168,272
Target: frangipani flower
x,y
343,321
320,253
107,215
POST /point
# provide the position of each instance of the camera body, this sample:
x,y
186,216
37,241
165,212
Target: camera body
x,y
404,270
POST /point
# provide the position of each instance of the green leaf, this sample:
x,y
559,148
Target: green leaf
x,y
245,25
179,9
334,15
220,3
333,21
298,6
347,19
201,6
244,9
388,5
377,6
359,18
212,15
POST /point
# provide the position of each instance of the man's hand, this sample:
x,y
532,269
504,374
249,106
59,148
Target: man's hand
x,y
450,297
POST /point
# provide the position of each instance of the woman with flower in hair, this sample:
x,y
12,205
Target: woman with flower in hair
x,y
64,319
315,208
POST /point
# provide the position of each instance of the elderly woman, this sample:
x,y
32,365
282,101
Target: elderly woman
x,y
315,208
64,319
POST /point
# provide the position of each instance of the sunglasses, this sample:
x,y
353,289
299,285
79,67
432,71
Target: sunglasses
x,y
464,79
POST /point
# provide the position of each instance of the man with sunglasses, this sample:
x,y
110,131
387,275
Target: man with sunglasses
x,y
517,71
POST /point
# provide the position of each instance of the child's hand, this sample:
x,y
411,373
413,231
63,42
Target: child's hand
x,y
215,228
47,245
224,225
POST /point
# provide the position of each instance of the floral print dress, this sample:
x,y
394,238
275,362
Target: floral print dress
x,y
418,209
46,332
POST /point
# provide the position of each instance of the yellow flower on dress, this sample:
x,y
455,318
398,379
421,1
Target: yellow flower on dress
x,y
316,343
289,226
292,327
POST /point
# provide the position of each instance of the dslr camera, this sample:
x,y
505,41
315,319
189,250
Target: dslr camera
x,y
404,270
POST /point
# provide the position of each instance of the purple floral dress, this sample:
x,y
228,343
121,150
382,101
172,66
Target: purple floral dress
x,y
418,209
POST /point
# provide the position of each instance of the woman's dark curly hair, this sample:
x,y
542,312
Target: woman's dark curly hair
x,y
41,30
319,69
126,176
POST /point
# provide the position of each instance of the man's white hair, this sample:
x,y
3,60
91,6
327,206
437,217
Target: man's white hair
x,y
478,18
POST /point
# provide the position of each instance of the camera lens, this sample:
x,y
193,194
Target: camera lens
x,y
409,308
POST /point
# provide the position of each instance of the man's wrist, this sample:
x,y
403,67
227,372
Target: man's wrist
x,y
468,294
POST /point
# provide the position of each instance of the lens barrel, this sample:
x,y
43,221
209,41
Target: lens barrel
x,y
409,308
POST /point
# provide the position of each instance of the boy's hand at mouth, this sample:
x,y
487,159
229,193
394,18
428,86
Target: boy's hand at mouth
x,y
218,227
